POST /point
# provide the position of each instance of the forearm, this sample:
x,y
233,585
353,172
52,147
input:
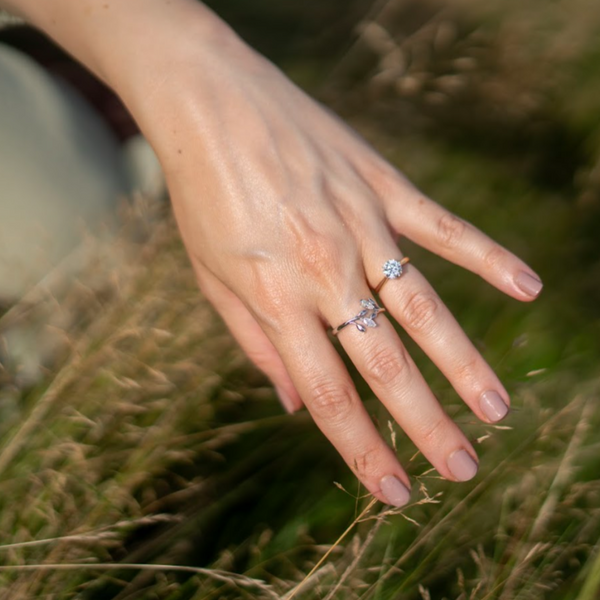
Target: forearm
x,y
132,45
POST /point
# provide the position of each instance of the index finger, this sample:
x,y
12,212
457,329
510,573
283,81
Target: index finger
x,y
431,226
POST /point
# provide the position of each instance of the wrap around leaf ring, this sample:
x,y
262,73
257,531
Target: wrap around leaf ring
x,y
364,319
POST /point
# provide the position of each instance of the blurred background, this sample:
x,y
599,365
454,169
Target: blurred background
x,y
148,437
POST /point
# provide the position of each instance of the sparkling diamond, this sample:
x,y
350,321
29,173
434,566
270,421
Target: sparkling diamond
x,y
369,322
392,269
370,304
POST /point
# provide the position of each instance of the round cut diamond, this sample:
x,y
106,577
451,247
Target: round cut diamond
x,y
392,269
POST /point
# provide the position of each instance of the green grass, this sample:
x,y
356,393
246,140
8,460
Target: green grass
x,y
153,441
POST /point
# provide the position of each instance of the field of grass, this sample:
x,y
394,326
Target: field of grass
x,y
154,462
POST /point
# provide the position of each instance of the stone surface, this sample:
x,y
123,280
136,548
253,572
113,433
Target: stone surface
x,y
369,303
392,269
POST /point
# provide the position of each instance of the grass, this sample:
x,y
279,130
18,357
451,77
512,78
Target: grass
x,y
153,461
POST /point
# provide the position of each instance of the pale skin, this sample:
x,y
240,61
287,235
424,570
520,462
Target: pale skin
x,y
288,217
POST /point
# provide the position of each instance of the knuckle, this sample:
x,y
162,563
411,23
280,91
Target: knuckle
x,y
318,251
385,365
272,307
331,401
434,431
420,310
467,369
451,230
494,257
383,178
366,461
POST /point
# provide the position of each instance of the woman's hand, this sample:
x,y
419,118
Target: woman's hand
x,y
288,217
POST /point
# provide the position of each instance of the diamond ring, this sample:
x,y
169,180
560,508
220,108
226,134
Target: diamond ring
x,y
365,318
392,269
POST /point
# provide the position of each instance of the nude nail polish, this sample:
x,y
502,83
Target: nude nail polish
x,y
528,284
492,406
462,466
394,490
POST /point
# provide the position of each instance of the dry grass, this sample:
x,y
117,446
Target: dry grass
x,y
84,454
153,462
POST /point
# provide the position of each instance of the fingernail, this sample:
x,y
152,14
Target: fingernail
x,y
462,466
528,284
286,400
492,406
394,490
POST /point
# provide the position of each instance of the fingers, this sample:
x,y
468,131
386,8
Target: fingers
x,y
251,338
392,375
318,376
433,227
412,301
330,396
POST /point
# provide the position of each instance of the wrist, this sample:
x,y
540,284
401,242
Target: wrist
x,y
133,45
199,74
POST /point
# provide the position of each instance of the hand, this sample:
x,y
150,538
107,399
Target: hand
x,y
288,217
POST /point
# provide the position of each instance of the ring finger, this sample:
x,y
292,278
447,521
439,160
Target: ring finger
x,y
327,390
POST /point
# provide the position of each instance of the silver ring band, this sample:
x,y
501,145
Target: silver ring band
x,y
364,319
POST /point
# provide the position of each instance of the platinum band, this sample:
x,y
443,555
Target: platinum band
x,y
364,319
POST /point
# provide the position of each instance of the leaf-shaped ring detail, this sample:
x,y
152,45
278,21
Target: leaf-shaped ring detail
x,y
364,319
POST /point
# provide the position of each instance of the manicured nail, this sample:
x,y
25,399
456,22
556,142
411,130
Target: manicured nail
x,y
492,406
286,400
529,284
394,490
462,466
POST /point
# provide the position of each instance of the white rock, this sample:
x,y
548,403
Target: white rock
x,y
62,176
